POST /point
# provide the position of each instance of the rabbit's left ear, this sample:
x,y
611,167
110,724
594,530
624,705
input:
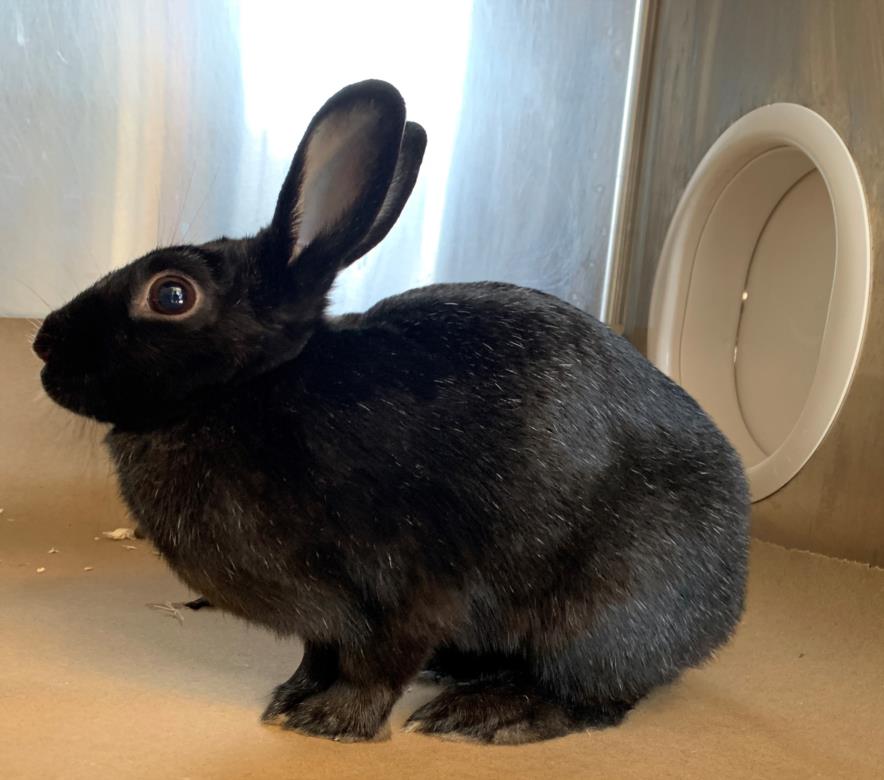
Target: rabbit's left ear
x,y
335,196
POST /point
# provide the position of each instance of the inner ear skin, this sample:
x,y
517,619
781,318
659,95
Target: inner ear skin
x,y
339,175
339,160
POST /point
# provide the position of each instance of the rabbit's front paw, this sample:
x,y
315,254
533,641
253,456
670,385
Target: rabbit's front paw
x,y
288,696
318,670
344,712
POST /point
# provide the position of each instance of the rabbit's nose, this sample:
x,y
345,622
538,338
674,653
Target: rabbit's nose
x,y
43,346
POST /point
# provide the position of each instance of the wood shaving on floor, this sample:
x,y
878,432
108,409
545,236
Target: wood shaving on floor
x,y
119,534
169,609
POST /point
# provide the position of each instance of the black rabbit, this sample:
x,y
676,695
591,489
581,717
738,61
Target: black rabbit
x,y
476,481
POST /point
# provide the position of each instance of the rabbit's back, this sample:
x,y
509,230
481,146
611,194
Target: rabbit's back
x,y
512,362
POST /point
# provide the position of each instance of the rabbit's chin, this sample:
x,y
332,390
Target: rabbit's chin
x,y
87,396
77,394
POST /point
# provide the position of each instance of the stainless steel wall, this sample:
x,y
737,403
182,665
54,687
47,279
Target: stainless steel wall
x,y
132,124
712,62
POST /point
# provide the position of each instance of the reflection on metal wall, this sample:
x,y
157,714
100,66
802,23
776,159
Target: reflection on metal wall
x,y
128,125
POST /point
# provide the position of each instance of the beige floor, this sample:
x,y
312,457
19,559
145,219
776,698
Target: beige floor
x,y
94,684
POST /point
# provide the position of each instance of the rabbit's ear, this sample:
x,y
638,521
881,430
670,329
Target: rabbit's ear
x,y
411,153
340,178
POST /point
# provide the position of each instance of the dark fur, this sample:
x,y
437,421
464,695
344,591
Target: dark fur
x,y
477,480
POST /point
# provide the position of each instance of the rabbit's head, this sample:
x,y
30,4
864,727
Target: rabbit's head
x,y
147,340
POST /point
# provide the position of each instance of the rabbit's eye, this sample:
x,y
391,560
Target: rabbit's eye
x,y
171,295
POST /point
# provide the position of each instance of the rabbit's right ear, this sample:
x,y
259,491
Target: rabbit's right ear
x,y
411,153
339,181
